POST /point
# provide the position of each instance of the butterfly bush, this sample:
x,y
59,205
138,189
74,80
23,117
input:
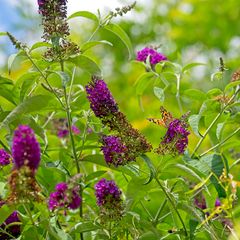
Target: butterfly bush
x,y
154,56
63,133
25,149
175,140
65,197
217,202
56,29
114,150
105,107
101,100
54,14
14,229
26,158
5,158
109,199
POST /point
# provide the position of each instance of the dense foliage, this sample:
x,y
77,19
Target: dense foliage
x,y
73,164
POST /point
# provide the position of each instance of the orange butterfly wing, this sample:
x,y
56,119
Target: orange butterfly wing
x,y
166,118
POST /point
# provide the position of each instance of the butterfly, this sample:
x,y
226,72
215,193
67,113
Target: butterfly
x,y
166,118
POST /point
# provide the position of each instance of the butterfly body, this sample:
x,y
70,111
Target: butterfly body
x,y
166,118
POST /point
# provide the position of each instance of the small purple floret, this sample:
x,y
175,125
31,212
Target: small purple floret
x,y
64,197
101,100
14,230
25,148
154,56
107,192
5,158
63,133
217,202
113,150
177,132
75,130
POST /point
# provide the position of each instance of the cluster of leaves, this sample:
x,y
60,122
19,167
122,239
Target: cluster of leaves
x,y
159,192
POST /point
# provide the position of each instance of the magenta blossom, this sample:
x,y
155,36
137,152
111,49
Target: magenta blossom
x,y
107,192
154,56
25,148
5,158
64,197
101,100
14,230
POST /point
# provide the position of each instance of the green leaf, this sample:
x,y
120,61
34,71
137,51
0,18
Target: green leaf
x,y
4,80
30,105
143,81
219,129
159,93
6,90
13,60
231,85
94,175
189,171
207,164
89,45
159,67
39,45
86,64
85,227
5,211
27,81
85,14
214,92
99,160
210,164
118,31
191,65
65,78
194,124
192,225
195,94
151,168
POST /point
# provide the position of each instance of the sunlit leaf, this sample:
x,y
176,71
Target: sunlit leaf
x,y
191,65
5,212
117,30
159,93
143,82
88,45
87,64
194,124
85,14
30,105
85,227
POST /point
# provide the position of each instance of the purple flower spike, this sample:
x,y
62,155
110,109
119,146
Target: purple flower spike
x,y
154,56
75,201
61,187
25,149
64,197
14,230
101,100
175,140
5,158
177,131
114,150
75,130
107,192
217,202
63,133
